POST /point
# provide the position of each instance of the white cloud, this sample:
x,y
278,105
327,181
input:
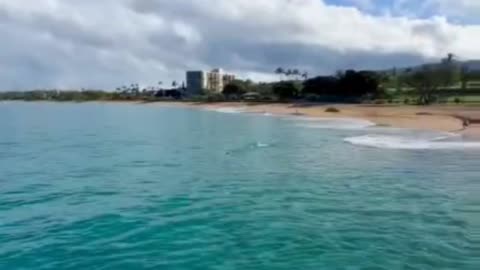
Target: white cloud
x,y
69,43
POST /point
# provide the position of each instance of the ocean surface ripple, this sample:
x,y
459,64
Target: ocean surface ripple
x,y
112,186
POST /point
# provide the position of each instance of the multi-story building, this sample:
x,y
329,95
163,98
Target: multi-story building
x,y
196,82
199,81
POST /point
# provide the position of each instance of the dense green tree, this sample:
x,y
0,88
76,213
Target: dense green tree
x,y
235,88
358,83
425,82
286,90
428,79
321,85
348,84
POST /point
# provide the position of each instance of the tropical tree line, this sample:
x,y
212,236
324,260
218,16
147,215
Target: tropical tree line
x,y
343,86
126,92
134,88
425,83
291,73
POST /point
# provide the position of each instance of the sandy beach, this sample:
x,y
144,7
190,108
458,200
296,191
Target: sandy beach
x,y
436,117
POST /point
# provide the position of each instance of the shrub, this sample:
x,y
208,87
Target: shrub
x,y
457,100
406,101
215,97
332,110
312,97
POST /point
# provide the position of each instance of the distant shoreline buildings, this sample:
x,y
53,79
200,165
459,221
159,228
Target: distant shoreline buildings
x,y
214,81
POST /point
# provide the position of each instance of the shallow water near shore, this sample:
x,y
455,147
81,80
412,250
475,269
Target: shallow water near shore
x,y
123,186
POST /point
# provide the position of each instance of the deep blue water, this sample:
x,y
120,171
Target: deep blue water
x,y
121,186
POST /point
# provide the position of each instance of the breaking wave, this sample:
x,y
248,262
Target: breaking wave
x,y
412,143
229,110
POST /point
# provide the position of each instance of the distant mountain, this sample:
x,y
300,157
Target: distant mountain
x,y
472,65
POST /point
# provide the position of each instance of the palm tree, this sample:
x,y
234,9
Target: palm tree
x,y
174,84
464,76
280,71
296,73
450,57
289,73
134,89
305,75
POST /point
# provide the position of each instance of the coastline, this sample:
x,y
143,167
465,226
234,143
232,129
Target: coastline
x,y
442,118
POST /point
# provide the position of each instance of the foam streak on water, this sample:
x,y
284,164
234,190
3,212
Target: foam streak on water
x,y
229,110
335,123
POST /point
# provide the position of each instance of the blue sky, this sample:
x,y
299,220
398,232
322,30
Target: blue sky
x,y
73,44
461,11
366,5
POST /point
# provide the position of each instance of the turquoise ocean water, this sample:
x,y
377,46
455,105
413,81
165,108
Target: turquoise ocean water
x,y
120,186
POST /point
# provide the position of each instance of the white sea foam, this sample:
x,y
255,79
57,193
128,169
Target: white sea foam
x,y
229,110
411,143
262,145
336,123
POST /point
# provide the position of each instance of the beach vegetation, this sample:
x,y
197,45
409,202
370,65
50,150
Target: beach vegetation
x,y
332,110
